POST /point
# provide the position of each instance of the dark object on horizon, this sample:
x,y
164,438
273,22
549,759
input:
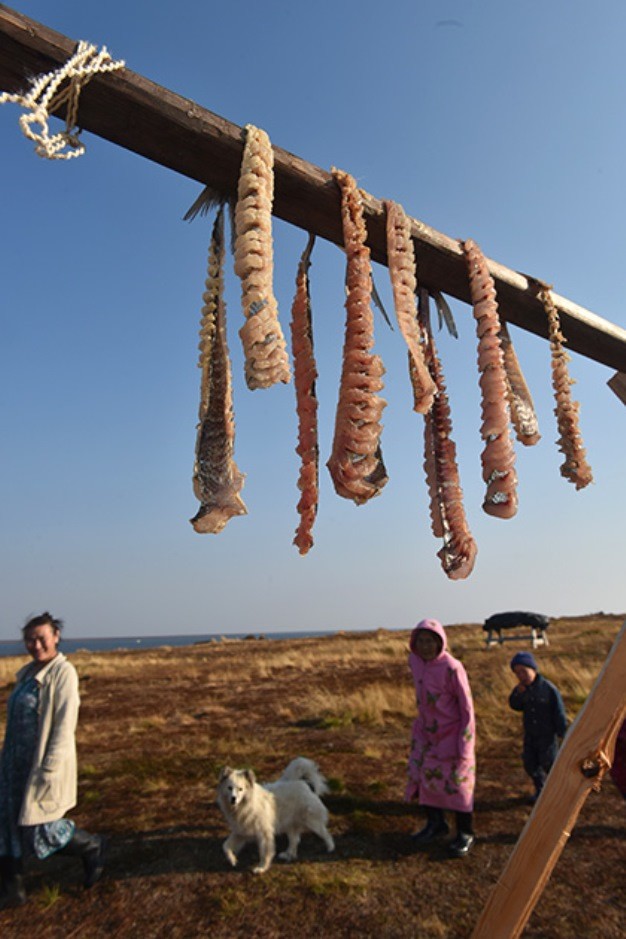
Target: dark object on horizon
x,y
537,622
510,620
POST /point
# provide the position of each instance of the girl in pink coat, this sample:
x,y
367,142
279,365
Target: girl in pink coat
x,y
441,763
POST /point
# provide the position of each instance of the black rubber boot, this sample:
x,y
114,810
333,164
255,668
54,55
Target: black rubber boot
x,y
461,845
12,892
431,831
92,850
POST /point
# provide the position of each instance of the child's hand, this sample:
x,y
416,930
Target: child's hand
x,y
521,688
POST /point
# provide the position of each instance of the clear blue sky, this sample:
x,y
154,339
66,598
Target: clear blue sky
x,y
501,122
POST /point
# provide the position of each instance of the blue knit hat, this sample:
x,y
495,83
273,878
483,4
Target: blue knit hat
x,y
524,658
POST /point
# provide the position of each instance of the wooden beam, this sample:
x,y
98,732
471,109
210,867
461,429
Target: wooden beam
x,y
587,751
150,120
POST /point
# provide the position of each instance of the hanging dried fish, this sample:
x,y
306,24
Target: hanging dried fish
x,y
217,481
447,513
265,351
305,375
356,464
575,467
498,457
523,414
401,259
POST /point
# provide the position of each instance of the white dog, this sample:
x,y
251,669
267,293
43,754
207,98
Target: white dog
x,y
289,806
308,772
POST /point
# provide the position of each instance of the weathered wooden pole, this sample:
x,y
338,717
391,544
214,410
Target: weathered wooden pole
x,y
586,753
137,114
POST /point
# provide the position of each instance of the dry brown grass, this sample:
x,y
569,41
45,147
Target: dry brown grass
x,y
376,704
156,727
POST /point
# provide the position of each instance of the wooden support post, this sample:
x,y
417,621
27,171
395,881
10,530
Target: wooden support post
x,y
585,755
135,113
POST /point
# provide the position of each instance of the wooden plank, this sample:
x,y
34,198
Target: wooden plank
x,y
590,743
150,120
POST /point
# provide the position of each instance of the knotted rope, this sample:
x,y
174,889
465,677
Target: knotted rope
x,y
50,92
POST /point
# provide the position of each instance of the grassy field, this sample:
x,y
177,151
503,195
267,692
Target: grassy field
x,y
157,726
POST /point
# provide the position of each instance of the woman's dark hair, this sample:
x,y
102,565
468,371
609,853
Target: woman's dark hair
x,y
44,619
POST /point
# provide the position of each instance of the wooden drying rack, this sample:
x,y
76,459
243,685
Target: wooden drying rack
x,y
150,120
137,114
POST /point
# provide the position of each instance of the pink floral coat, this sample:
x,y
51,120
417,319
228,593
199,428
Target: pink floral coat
x,y
442,767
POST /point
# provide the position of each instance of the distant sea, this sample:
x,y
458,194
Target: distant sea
x,y
16,647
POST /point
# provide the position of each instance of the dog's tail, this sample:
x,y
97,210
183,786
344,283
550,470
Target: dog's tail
x,y
309,772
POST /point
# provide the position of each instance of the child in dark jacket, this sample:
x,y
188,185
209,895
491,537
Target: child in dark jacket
x,y
544,718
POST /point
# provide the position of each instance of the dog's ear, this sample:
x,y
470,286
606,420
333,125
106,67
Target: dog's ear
x,y
249,774
226,771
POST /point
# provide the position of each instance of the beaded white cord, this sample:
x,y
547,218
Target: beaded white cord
x,y
46,95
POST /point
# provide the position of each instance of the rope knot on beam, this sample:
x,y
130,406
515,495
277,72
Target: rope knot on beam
x,y
57,89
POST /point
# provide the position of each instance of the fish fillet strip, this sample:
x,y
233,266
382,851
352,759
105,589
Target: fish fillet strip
x,y
217,481
498,457
305,375
523,414
401,260
265,350
447,513
356,465
575,467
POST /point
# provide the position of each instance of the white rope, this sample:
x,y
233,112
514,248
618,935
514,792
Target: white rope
x,y
48,93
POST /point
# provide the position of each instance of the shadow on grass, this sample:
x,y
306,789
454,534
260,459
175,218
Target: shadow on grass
x,y
188,850
182,849
501,805
196,849
499,837
167,851
151,853
347,804
592,832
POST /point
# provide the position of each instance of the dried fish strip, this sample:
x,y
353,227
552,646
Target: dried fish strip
x,y
498,457
217,481
523,414
265,350
305,375
575,467
447,513
401,259
356,465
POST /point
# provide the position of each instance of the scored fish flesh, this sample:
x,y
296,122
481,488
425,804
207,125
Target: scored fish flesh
x,y
265,350
575,467
498,456
356,464
401,261
523,414
447,513
305,375
217,481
